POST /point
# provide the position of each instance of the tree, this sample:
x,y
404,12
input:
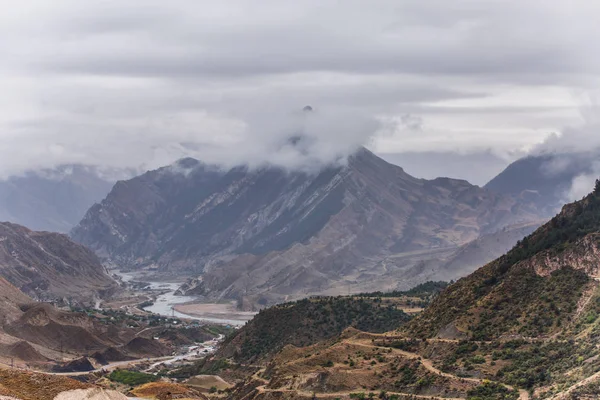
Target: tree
x,y
597,187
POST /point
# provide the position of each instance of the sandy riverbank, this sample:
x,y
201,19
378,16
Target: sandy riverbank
x,y
215,311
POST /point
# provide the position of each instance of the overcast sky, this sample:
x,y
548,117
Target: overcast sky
x,y
130,83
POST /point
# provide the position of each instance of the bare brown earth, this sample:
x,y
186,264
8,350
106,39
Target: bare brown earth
x,y
35,386
91,394
49,266
167,390
205,382
352,365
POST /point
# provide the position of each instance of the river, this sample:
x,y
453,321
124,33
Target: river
x,y
164,303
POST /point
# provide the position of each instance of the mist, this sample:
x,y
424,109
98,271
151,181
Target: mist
x,y
575,152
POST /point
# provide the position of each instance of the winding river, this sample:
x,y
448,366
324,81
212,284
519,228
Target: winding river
x,y
164,303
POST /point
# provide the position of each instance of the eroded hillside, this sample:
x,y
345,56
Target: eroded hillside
x,y
49,266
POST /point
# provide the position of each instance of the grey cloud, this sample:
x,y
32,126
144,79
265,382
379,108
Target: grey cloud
x,y
142,83
497,40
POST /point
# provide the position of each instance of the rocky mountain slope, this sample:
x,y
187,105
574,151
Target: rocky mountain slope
x,y
524,326
482,250
549,180
10,300
266,234
52,200
545,275
49,266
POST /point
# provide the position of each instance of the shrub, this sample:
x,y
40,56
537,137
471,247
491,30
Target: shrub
x,y
132,378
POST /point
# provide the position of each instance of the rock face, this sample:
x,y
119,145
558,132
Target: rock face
x,y
193,287
49,266
52,200
275,233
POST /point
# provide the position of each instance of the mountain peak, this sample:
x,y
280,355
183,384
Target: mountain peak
x,y
290,231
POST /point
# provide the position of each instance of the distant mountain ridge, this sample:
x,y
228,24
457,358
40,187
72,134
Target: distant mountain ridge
x,y
549,179
53,199
268,233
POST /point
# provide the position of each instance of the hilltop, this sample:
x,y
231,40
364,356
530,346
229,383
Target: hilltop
x,y
309,321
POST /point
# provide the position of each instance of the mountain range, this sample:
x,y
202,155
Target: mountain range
x,y
524,326
264,235
52,199
267,234
549,180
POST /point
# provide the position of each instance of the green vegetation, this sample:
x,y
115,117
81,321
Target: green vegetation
x,y
529,304
492,391
535,364
213,368
359,396
408,375
513,298
132,378
576,221
526,364
424,291
308,321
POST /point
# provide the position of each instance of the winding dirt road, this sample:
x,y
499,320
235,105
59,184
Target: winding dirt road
x,y
428,364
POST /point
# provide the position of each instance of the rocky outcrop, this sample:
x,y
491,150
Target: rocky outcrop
x,y
583,255
192,287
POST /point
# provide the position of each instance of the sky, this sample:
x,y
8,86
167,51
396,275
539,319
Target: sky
x,y
450,85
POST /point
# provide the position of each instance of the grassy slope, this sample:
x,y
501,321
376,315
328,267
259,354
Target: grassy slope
x,y
308,321
507,295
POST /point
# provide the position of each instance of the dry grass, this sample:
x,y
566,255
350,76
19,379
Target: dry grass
x,y
167,391
33,386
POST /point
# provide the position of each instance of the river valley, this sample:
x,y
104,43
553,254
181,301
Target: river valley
x,y
168,304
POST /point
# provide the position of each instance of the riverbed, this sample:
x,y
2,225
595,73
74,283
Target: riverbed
x,y
167,303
